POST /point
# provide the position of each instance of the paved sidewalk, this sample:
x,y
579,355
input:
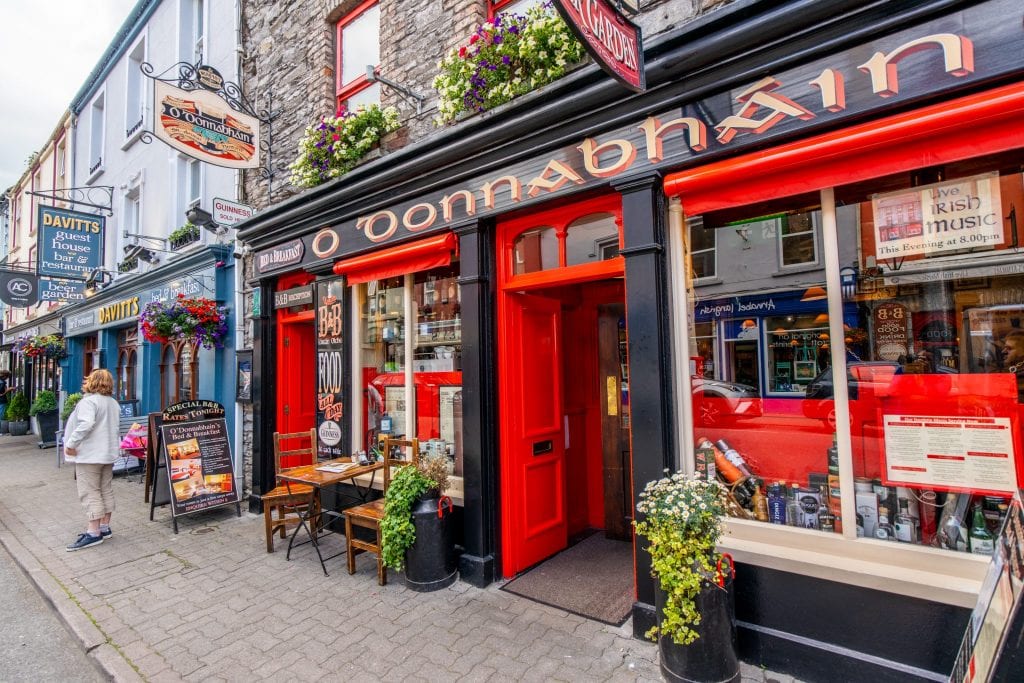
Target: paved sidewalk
x,y
210,604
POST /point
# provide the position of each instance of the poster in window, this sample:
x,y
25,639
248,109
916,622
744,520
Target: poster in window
x,y
243,386
330,368
394,406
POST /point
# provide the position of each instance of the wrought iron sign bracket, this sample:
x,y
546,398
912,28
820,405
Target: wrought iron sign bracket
x,y
100,197
198,76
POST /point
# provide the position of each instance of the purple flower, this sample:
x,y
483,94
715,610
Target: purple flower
x,y
505,59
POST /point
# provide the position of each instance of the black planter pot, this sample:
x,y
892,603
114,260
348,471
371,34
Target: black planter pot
x,y
430,563
18,427
5,427
712,657
48,424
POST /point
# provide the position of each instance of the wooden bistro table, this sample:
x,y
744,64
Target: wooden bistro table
x,y
322,475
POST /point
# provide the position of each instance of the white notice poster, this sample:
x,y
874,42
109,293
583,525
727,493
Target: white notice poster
x,y
944,217
944,452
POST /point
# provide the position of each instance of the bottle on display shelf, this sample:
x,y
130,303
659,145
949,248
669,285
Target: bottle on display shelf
x,y
792,507
982,542
734,457
884,531
833,456
760,502
906,531
826,518
952,526
776,504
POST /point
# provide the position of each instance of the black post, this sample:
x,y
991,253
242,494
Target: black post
x,y
264,392
650,358
479,413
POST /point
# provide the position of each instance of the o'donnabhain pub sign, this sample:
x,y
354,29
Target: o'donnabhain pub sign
x,y
204,126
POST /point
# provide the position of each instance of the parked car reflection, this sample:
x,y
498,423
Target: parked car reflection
x,y
818,401
715,400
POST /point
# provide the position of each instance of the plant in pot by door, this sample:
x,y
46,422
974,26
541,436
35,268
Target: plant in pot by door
x,y
17,414
681,518
416,532
44,409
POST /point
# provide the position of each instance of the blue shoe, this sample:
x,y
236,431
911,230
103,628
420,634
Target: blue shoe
x,y
84,541
106,533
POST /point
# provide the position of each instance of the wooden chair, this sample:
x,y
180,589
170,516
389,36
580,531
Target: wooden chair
x,y
289,502
368,515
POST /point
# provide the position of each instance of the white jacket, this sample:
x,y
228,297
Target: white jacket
x,y
92,429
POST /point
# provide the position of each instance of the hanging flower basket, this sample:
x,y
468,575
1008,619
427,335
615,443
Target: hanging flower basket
x,y
333,147
506,57
44,346
199,321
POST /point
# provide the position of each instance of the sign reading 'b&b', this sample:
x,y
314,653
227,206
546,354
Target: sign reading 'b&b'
x,y
70,242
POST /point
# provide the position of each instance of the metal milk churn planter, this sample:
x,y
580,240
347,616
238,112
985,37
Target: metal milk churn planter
x,y
430,562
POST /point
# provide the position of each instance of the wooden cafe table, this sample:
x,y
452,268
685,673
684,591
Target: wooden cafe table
x,y
321,475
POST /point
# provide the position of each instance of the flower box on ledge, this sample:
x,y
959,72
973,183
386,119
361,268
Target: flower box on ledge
x,y
183,236
128,265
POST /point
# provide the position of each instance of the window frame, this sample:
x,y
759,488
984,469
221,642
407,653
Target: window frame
x,y
135,112
690,225
816,221
344,91
97,135
495,7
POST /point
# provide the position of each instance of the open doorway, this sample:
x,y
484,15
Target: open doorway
x,y
567,450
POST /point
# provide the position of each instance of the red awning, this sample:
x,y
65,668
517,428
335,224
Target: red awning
x,y
984,123
412,257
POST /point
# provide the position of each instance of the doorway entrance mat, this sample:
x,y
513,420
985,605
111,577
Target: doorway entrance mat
x,y
593,579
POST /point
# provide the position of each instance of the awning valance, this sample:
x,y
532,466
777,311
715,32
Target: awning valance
x,y
412,257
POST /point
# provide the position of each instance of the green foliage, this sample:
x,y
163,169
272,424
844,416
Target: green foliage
x,y
189,230
70,401
408,485
681,519
45,402
506,57
333,147
17,408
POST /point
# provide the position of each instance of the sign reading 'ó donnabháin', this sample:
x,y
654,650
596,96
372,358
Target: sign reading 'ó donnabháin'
x,y
202,125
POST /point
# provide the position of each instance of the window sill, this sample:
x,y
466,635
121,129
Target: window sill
x,y
454,490
786,271
915,571
133,138
94,175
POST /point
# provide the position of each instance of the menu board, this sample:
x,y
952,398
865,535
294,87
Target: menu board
x,y
200,469
330,368
950,452
890,331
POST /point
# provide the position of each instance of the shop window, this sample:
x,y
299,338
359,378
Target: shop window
x,y
427,348
535,250
358,46
511,6
591,238
928,328
90,355
127,360
798,238
179,373
703,244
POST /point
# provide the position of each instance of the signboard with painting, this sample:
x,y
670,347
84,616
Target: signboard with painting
x,y
200,469
204,126
330,369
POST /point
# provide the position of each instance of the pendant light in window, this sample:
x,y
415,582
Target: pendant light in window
x,y
814,293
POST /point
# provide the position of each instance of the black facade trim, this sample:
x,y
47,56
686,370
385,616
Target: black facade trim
x,y
639,249
682,65
264,392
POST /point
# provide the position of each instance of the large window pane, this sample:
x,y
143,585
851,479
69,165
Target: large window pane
x,y
535,250
591,238
360,44
935,371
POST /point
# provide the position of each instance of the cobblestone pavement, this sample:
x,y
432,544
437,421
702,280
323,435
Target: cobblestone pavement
x,y
210,604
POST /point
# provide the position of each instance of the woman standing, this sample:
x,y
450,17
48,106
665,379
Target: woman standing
x,y
92,444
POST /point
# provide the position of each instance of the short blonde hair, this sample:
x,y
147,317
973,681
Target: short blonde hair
x,y
99,382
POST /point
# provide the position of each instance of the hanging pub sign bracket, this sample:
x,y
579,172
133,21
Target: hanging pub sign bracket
x,y
210,119
100,197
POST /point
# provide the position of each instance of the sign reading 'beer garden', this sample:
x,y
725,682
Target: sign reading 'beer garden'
x,y
70,242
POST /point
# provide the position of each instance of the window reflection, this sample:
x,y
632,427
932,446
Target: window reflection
x,y
535,250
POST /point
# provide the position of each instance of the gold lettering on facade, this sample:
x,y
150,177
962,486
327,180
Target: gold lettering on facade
x,y
515,189
754,99
415,226
592,153
543,182
696,135
334,242
366,225
957,55
117,311
833,90
448,201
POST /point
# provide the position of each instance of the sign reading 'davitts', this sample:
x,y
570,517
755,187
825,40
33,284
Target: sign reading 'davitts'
x,y
70,242
612,40
202,125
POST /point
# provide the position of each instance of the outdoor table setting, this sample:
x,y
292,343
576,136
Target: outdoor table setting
x,y
322,475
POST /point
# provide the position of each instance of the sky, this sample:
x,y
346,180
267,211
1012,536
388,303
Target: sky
x,y
47,48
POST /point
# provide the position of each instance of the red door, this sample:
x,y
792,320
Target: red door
x,y
296,374
533,457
